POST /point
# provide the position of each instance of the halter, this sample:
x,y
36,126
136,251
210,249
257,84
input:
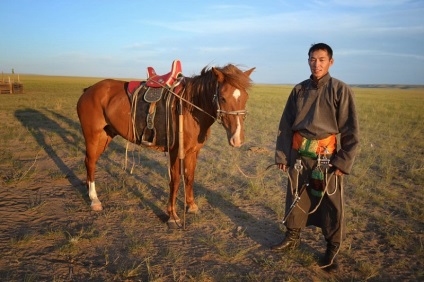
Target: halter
x,y
220,113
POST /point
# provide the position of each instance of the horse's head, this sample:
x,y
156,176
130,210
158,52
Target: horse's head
x,y
231,97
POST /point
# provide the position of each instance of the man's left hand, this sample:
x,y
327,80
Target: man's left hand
x,y
338,172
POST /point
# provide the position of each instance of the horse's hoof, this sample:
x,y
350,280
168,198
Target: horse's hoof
x,y
96,207
193,210
174,223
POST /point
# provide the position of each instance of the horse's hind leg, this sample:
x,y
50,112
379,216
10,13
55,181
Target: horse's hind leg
x,y
94,148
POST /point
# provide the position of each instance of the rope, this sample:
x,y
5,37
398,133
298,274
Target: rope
x,y
181,98
341,219
133,129
256,176
322,197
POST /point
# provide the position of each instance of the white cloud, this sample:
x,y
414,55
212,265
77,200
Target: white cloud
x,y
219,49
347,52
361,3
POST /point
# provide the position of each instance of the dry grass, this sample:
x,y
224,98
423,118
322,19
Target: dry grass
x,y
48,232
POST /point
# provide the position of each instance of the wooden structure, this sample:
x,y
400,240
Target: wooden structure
x,y
10,86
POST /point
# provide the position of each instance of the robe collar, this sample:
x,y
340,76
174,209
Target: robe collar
x,y
322,81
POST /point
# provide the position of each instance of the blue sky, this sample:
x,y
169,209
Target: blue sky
x,y
374,41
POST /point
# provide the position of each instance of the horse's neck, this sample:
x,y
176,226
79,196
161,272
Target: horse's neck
x,y
202,96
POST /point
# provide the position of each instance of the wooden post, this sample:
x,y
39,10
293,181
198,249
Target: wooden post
x,y
10,87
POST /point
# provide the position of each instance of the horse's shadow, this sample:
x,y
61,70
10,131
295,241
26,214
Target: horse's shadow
x,y
40,125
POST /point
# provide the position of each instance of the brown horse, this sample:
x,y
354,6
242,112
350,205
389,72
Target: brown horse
x,y
104,110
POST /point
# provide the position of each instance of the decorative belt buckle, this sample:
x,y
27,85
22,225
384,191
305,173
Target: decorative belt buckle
x,y
324,163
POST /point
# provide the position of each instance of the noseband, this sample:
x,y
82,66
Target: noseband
x,y
220,113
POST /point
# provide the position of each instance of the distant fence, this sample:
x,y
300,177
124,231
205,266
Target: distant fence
x,y
11,87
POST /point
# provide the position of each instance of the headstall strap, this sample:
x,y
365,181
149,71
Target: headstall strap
x,y
220,113
216,100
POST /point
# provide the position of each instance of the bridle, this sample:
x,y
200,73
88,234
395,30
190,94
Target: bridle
x,y
220,113
215,99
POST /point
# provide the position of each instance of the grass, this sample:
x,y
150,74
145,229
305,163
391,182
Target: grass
x,y
42,150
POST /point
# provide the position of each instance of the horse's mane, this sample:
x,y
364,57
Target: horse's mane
x,y
236,77
201,88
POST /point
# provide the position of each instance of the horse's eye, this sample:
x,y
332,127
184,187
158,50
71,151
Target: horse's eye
x,y
222,100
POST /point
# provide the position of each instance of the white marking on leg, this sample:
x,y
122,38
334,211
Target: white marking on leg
x,y
92,191
236,94
95,202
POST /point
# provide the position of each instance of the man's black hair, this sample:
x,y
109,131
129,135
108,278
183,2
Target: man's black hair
x,y
321,46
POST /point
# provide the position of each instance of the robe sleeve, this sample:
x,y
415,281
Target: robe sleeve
x,y
285,132
349,131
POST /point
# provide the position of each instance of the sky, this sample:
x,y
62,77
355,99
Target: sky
x,y
374,41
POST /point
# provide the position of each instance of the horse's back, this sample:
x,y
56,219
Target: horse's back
x,y
102,89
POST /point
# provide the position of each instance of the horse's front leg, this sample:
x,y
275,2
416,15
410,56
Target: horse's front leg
x,y
190,162
174,184
189,168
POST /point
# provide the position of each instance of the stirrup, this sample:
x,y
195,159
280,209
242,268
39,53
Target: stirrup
x,y
145,139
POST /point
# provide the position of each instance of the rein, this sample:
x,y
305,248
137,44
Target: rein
x,y
183,99
215,99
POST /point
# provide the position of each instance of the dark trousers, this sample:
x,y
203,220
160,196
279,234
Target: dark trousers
x,y
326,212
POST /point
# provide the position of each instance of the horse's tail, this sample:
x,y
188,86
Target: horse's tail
x,y
85,89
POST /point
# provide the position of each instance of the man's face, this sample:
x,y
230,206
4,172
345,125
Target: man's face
x,y
320,63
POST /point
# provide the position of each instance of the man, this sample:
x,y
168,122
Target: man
x,y
316,144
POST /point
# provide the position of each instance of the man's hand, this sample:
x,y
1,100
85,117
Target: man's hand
x,y
338,172
282,167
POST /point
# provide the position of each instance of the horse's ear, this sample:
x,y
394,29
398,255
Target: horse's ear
x,y
249,72
219,75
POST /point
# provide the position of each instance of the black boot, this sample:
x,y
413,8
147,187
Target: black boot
x,y
290,242
328,261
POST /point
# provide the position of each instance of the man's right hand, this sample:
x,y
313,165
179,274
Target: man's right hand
x,y
282,167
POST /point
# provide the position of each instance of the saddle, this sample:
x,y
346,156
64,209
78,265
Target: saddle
x,y
153,114
166,80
